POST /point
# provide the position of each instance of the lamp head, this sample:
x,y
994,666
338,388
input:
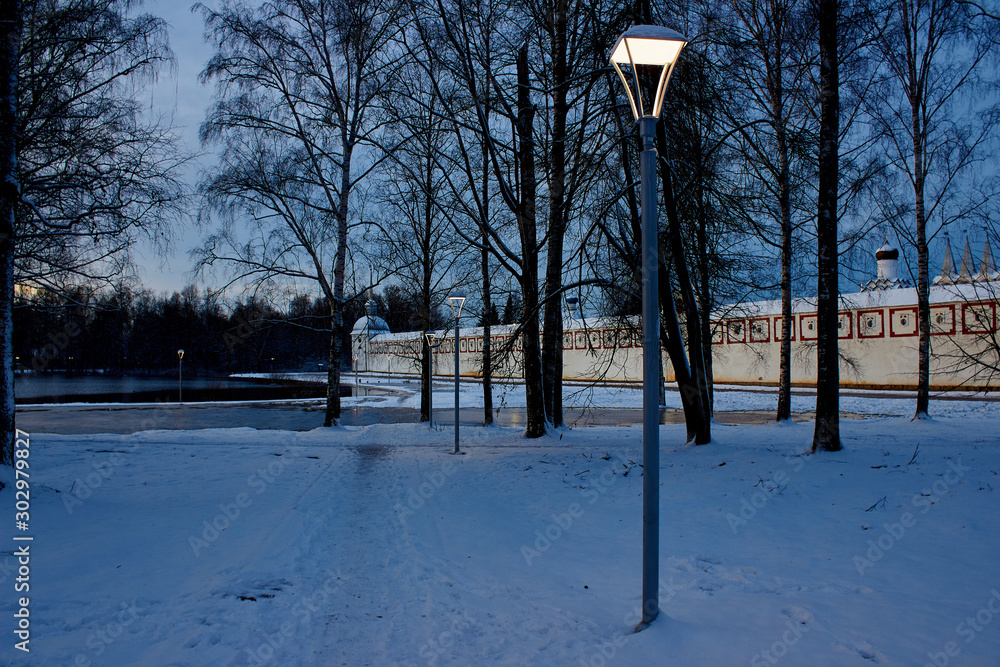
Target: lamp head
x,y
652,46
457,300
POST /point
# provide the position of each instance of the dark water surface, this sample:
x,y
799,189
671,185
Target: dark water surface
x,y
58,388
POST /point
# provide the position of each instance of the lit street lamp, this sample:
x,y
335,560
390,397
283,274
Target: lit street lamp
x,y
180,376
431,336
655,49
457,300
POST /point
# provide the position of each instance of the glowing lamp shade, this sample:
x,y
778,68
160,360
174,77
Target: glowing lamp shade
x,y
652,46
457,300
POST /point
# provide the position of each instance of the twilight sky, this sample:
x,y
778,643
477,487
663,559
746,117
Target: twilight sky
x,y
183,100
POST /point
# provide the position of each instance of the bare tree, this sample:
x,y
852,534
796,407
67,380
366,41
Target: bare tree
x,y
934,129
10,38
92,173
766,47
419,249
463,38
827,431
299,83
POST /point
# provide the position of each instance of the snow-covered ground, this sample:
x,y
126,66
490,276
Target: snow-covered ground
x,y
727,397
374,546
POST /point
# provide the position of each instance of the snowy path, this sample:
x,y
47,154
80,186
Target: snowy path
x,y
374,546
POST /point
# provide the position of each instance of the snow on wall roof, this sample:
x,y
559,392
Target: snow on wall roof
x,y
893,298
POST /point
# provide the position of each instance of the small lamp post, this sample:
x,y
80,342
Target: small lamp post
x,y
655,48
457,300
180,376
431,345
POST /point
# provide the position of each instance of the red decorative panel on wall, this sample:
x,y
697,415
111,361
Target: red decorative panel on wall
x,y
844,328
979,317
943,320
902,322
718,333
871,324
808,327
736,331
760,330
777,328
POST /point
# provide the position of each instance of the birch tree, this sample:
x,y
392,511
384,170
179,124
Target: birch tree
x,y
298,87
767,51
92,174
826,436
935,117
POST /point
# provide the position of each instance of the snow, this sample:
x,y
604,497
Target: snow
x,y
374,546
903,296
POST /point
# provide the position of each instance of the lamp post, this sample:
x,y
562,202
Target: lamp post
x,y
651,47
457,300
180,376
431,345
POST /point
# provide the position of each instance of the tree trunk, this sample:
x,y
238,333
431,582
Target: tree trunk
x,y
332,416
552,333
784,412
916,96
696,385
827,433
673,342
10,46
530,352
337,302
705,301
487,325
426,276
487,296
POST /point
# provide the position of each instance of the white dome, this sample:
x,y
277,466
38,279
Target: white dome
x,y
371,325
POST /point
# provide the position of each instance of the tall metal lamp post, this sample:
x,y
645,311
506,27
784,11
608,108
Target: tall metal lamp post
x,y
431,345
180,376
654,49
457,300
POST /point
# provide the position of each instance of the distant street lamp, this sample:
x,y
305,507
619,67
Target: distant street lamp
x,y
457,300
657,49
431,336
180,376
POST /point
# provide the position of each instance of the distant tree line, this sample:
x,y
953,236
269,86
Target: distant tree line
x,y
137,332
